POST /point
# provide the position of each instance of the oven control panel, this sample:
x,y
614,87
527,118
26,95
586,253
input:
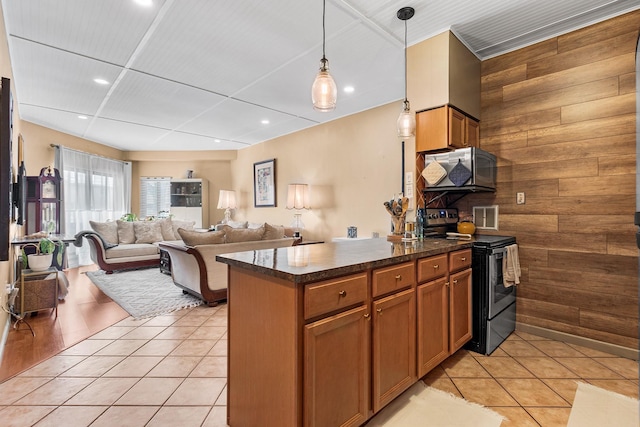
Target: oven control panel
x,y
441,216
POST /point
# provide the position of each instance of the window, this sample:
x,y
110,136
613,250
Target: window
x,y
486,217
155,197
95,188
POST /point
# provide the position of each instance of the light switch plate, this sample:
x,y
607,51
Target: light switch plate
x,y
520,198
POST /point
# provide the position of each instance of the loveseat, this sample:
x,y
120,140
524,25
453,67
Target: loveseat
x,y
193,262
120,245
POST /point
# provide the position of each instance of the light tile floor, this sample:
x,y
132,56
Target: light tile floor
x,y
172,369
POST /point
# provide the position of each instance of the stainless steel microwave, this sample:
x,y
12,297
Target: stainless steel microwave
x,y
470,169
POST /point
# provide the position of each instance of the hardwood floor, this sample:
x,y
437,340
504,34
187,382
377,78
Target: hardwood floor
x,y
84,312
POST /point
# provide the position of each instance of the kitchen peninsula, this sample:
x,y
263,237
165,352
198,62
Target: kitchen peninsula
x,y
328,334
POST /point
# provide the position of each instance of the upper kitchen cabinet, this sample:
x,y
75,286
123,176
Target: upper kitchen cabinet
x,y
442,71
445,128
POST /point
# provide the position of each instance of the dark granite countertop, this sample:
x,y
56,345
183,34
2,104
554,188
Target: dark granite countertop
x,y
311,263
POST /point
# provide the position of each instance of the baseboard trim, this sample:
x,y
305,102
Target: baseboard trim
x,y
629,353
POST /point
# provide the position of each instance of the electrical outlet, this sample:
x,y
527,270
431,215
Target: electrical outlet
x,y
520,198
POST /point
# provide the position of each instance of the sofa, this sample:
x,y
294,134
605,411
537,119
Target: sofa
x,y
121,245
193,261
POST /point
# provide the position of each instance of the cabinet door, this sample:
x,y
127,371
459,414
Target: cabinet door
x,y
336,369
433,325
457,130
472,132
431,129
459,309
394,346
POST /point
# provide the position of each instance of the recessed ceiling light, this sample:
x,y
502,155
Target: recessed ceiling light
x,y
101,81
216,140
83,117
145,3
265,122
349,89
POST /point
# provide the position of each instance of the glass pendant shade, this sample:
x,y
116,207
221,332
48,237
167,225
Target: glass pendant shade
x,y
406,122
324,92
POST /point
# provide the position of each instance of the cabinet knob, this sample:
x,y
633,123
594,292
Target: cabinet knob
x,y
342,293
463,259
399,277
446,284
379,310
436,266
367,316
455,282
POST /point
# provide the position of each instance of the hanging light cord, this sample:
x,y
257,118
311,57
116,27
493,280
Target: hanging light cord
x,y
324,5
405,61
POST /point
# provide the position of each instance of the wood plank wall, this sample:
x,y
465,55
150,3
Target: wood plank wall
x,y
561,117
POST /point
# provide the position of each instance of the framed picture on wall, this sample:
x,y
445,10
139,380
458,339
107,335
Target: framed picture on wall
x,y
264,183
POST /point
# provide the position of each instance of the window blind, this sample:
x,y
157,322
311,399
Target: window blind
x,y
155,198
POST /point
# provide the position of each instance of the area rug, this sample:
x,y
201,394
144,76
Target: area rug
x,y
593,406
426,406
143,293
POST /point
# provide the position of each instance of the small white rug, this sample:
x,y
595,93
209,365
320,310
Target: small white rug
x,y
143,293
597,407
426,406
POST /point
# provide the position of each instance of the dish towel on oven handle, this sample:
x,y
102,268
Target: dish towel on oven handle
x,y
511,267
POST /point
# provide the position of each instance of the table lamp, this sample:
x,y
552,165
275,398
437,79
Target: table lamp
x,y
227,201
297,198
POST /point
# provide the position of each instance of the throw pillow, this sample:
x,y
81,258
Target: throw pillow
x,y
107,230
236,235
166,228
179,223
273,232
147,231
126,235
237,224
193,238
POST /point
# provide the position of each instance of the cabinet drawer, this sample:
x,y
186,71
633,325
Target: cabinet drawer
x,y
459,260
432,268
332,295
386,280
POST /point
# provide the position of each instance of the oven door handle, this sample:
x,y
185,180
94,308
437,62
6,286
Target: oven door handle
x,y
497,251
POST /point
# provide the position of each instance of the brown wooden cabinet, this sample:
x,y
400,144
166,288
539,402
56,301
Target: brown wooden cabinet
x,y
341,350
334,352
394,346
445,128
336,369
443,308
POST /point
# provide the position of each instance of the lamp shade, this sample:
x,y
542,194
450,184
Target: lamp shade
x,y
298,196
324,92
227,199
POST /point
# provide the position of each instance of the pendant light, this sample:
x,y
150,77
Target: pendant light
x,y
407,121
324,91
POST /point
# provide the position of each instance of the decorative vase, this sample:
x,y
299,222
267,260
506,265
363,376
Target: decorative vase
x,y
39,262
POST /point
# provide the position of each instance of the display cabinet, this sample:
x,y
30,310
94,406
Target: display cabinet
x,y
43,202
189,201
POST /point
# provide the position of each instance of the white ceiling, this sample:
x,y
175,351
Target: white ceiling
x,y
203,74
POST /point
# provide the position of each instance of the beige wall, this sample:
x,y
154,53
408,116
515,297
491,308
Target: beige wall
x,y
441,70
352,166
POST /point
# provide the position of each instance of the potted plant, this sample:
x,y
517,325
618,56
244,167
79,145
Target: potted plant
x,y
42,258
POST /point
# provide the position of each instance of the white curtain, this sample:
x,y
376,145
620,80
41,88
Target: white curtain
x,y
95,188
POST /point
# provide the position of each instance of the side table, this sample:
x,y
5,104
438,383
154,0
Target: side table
x,y
165,262
37,290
